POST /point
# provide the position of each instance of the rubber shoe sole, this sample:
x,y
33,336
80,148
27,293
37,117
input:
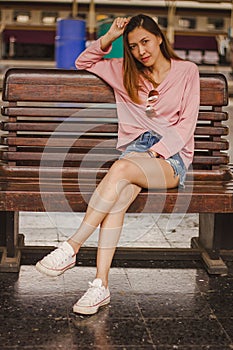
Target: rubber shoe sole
x,y
53,272
90,310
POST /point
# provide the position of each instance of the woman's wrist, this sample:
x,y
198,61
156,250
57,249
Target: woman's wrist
x,y
114,32
106,41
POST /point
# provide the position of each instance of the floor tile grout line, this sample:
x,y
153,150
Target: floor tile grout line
x,y
140,311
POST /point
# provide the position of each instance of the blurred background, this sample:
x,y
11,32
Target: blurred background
x,y
54,31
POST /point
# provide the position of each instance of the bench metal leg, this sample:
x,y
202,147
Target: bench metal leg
x,y
215,234
10,241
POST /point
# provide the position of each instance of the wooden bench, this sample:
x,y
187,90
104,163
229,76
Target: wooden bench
x,y
59,136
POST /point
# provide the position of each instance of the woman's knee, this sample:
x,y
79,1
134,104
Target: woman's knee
x,y
120,168
126,197
119,174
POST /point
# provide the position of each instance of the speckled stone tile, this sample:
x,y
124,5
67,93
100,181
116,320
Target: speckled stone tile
x,y
187,331
227,324
221,304
194,347
106,331
173,305
33,331
213,284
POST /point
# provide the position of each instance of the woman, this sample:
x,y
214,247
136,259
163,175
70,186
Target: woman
x,y
157,97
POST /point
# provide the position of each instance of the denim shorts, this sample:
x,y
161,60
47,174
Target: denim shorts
x,y
145,141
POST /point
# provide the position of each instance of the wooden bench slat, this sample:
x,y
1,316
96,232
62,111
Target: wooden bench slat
x,y
212,130
62,112
212,145
213,116
65,127
59,158
88,112
61,142
97,128
87,143
61,85
73,172
223,159
89,185
201,202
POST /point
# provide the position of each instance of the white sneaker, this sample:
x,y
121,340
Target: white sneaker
x,y
58,261
96,296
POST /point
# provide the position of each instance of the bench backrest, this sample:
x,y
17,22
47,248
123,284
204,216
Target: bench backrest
x,y
59,117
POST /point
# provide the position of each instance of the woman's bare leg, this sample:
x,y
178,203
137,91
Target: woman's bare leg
x,y
137,169
110,232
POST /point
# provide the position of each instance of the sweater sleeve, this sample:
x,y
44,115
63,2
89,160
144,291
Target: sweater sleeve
x,y
177,136
92,59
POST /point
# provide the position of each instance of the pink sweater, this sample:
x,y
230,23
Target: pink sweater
x,y
177,106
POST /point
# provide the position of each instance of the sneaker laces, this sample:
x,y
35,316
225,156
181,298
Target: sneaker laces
x,y
93,293
57,257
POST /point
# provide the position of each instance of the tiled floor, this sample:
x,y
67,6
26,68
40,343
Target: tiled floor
x,y
161,308
165,307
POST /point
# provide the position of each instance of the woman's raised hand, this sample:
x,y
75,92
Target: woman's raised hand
x,y
118,26
114,32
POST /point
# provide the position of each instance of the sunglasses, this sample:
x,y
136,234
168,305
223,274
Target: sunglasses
x,y
151,99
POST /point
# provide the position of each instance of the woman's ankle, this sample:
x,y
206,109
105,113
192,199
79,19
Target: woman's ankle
x,y
76,246
103,279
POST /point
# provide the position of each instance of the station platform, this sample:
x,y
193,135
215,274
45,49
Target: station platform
x,y
169,306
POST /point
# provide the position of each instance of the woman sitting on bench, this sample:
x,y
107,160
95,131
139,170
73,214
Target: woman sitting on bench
x,y
157,97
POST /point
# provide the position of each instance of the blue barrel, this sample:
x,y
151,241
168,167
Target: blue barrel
x,y
70,41
117,46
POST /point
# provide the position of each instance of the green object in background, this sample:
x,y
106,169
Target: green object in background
x,y
117,46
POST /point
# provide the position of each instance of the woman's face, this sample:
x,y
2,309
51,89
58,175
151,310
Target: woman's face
x,y
144,46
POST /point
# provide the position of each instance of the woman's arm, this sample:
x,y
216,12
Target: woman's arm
x,y
95,52
114,32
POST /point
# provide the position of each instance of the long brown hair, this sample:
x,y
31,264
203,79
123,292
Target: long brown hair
x,y
133,69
